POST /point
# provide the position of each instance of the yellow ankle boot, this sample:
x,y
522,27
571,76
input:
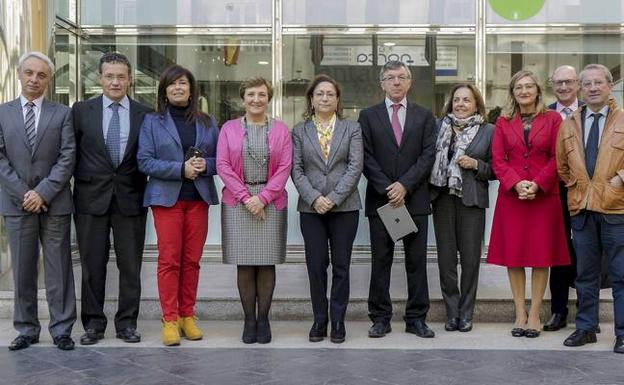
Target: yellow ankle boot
x,y
170,333
189,328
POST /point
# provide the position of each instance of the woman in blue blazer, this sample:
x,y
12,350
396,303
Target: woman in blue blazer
x,y
177,150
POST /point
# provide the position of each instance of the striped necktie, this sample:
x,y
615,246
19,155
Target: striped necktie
x,y
566,112
113,136
31,124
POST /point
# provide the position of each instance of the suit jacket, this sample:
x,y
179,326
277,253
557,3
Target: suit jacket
x,y
96,180
230,164
337,179
385,162
47,169
161,156
475,182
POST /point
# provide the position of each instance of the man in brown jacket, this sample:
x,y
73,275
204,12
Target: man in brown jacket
x,y
590,160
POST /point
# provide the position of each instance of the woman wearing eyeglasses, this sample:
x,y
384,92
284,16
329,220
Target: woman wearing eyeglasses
x,y
527,230
328,159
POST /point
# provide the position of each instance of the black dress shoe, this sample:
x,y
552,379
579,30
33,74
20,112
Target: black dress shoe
x,y
318,332
420,328
531,333
379,329
64,342
451,325
249,332
338,332
91,337
129,335
597,329
580,338
22,342
263,332
619,344
517,332
465,325
557,321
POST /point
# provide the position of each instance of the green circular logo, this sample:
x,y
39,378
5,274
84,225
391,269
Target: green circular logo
x,y
516,9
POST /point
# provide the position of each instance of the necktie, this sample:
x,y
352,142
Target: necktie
x,y
566,112
591,148
112,136
396,125
30,124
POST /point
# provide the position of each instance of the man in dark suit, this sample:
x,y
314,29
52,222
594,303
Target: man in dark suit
x,y
399,145
564,82
37,156
108,194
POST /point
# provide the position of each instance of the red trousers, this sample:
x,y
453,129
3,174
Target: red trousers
x,y
181,232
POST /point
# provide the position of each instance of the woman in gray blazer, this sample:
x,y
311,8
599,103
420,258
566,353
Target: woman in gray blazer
x,y
459,196
327,164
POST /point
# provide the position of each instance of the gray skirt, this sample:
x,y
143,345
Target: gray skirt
x,y
248,241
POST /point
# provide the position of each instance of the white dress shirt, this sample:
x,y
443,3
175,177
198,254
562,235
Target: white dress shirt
x,y
37,108
402,111
589,119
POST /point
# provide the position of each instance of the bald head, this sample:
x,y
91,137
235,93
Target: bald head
x,y
565,84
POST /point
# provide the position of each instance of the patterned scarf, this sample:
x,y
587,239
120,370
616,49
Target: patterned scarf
x,y
446,172
324,134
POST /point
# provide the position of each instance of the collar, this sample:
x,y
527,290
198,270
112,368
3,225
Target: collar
x,y
38,102
604,111
559,107
125,102
389,102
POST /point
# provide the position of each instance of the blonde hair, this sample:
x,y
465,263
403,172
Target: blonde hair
x,y
511,106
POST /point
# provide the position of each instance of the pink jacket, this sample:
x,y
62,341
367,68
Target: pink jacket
x,y
230,164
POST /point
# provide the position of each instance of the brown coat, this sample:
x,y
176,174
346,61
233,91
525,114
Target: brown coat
x,y
595,194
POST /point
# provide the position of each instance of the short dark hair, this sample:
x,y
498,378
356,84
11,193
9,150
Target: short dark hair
x,y
115,57
309,111
448,107
393,65
255,82
170,75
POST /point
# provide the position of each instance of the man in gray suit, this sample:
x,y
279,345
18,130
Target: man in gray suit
x,y
37,155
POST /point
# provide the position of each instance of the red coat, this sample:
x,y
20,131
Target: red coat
x,y
527,233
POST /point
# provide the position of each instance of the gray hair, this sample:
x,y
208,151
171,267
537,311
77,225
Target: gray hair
x,y
38,55
393,65
598,67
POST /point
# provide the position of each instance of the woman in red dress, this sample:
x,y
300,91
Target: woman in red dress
x,y
527,230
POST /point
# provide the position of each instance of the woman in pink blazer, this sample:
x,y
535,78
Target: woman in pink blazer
x,y
527,230
254,157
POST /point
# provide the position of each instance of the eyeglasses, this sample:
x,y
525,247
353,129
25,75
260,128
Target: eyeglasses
x,y
401,78
329,95
563,83
111,77
527,86
593,83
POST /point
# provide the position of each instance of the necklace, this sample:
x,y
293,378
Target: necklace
x,y
259,159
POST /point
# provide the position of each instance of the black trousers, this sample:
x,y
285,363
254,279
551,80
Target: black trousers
x,y
93,236
382,250
335,231
562,277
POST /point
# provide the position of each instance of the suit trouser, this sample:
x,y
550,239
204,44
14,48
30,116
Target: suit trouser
x,y
93,235
594,233
562,277
25,233
181,231
382,252
458,228
321,232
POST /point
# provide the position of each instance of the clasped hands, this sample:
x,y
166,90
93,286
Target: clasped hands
x,y
193,167
255,206
526,189
396,194
322,204
33,202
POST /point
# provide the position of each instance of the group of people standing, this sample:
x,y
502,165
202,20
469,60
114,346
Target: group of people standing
x,y
124,158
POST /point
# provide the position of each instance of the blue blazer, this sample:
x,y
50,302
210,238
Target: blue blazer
x,y
160,156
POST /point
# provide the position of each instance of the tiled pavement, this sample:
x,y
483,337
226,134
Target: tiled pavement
x,y
487,355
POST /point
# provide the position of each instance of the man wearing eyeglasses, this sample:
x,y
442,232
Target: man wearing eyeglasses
x,y
399,145
108,195
590,160
565,85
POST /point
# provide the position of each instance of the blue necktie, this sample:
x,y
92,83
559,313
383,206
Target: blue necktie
x,y
591,148
113,134
30,123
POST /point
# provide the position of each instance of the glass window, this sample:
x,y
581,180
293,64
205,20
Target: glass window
x,y
331,12
65,64
175,12
507,54
555,11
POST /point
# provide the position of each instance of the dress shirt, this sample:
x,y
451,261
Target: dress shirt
x,y
37,108
559,108
589,119
402,111
124,121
